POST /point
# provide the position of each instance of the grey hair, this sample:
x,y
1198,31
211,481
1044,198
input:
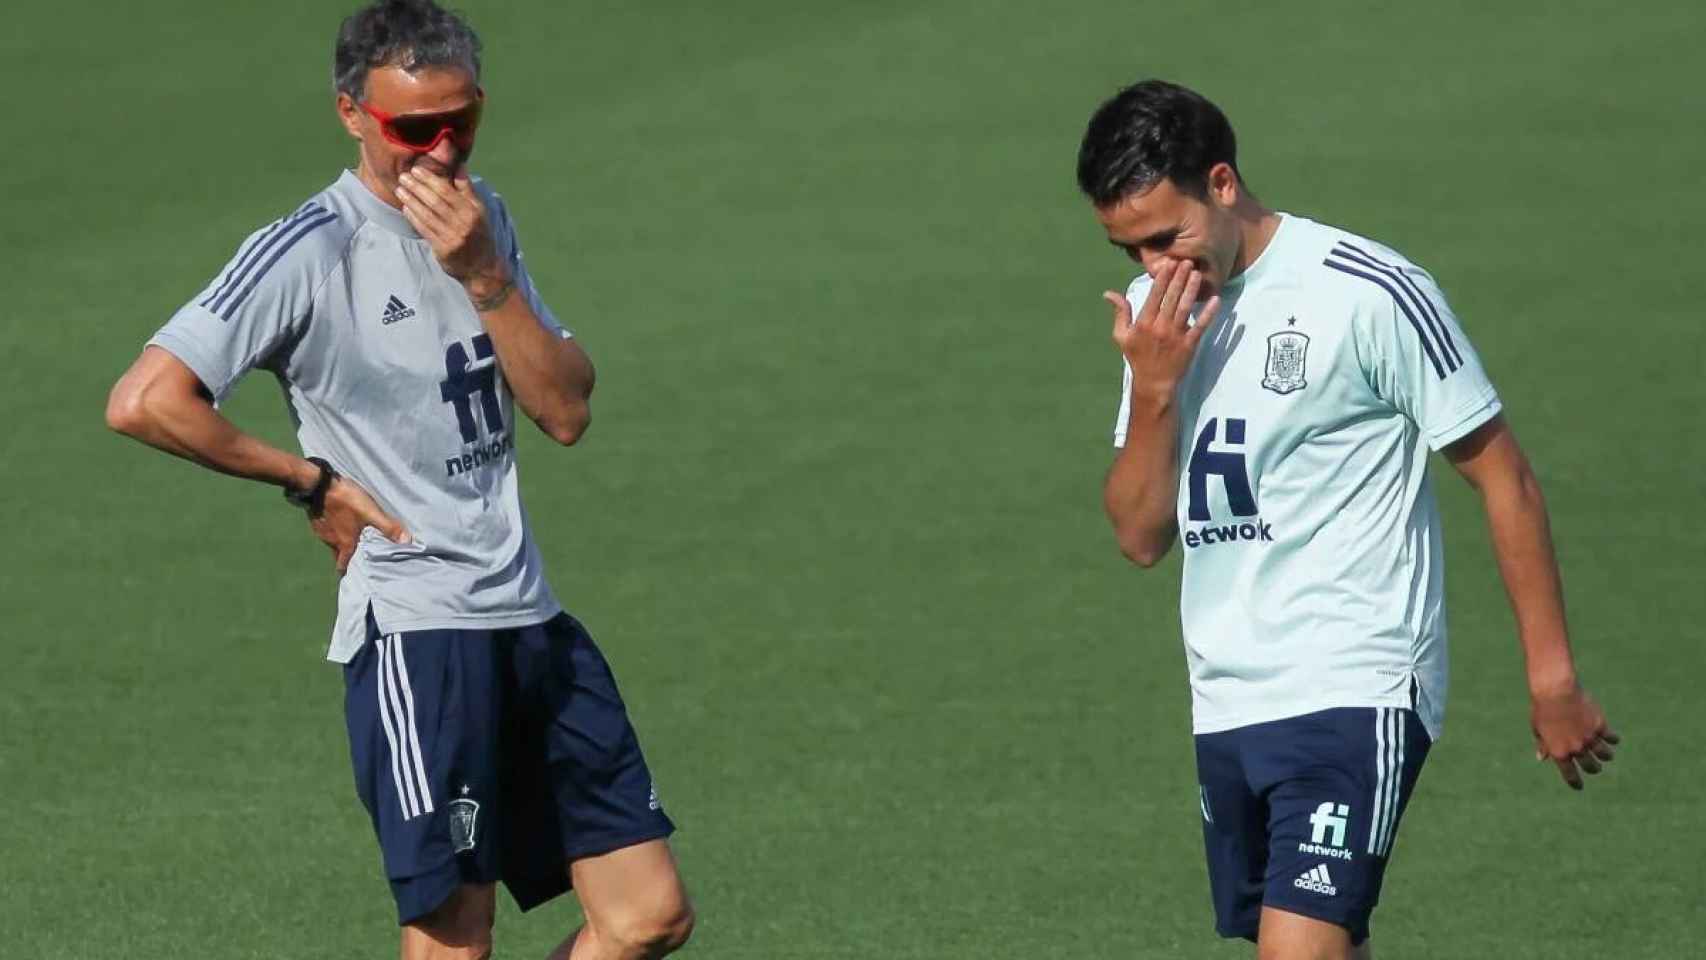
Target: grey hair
x,y
411,34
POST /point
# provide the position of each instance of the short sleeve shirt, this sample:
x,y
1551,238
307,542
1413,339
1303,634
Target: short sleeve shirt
x,y
390,376
1313,563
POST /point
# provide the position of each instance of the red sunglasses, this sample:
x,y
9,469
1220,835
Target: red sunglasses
x,y
423,132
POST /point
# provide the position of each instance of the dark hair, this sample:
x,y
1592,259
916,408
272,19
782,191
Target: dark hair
x,y
411,34
1151,131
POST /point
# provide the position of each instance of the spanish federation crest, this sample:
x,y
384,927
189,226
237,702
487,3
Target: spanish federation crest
x,y
1286,352
463,816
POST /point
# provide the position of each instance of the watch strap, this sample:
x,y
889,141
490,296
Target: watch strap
x,y
314,498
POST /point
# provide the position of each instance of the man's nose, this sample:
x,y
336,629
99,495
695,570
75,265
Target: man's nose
x,y
1153,262
446,153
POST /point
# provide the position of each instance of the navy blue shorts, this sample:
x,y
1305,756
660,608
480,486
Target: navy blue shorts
x,y
1300,814
486,755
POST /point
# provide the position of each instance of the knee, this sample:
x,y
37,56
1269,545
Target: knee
x,y
680,927
461,928
657,929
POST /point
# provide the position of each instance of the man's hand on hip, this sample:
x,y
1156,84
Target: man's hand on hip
x,y
347,510
1159,341
448,214
1570,730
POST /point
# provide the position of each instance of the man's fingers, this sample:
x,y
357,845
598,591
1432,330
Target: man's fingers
x,y
437,220
1610,736
1205,319
416,215
1567,769
452,200
1175,290
1157,291
417,189
1122,311
1603,750
447,214
394,531
1187,300
435,188
430,230
1587,761
388,526
464,185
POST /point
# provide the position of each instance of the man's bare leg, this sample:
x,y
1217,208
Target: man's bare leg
x,y
460,929
636,907
1291,936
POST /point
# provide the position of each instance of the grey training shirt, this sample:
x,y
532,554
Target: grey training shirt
x,y
390,376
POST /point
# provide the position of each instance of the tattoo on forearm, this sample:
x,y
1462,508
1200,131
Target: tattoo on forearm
x,y
496,298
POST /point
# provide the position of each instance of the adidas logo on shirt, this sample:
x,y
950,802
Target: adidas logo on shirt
x,y
396,310
1317,880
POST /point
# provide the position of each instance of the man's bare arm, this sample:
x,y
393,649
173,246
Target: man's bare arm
x,y
161,402
1141,491
551,377
1569,728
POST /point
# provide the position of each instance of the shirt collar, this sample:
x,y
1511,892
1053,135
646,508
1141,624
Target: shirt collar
x,y
381,213
1264,261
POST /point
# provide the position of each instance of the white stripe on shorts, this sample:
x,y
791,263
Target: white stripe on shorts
x,y
383,689
414,738
1382,782
1398,731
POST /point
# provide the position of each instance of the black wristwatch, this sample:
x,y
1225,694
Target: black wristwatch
x,y
314,498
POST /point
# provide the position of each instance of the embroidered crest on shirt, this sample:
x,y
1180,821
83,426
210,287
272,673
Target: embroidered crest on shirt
x,y
1287,351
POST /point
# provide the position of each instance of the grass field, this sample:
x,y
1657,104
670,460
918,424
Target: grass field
x,y
837,522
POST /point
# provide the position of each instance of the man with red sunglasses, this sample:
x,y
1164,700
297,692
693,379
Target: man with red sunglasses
x,y
487,734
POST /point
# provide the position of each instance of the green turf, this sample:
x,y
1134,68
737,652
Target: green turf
x,y
837,521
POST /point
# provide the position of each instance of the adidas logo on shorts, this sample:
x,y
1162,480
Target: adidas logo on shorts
x,y
1317,880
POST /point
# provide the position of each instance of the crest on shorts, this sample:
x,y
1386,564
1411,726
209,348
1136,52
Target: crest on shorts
x,y
464,818
1287,351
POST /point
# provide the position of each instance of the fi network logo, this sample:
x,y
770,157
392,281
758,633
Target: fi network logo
x,y
1329,817
1234,473
1327,831
1228,466
465,380
464,383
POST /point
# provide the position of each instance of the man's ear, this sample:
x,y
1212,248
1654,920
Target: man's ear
x,y
1223,184
349,114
